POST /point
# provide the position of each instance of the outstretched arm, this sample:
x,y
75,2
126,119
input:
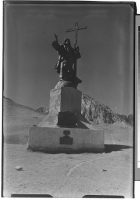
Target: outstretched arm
x,y
55,43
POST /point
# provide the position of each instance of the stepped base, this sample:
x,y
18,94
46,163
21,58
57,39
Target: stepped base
x,y
56,140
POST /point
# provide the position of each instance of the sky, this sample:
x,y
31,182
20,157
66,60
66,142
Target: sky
x,y
105,68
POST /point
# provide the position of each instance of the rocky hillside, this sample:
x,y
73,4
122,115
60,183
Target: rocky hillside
x,y
97,113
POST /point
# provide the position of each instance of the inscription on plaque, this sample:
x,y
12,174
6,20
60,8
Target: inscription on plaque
x,y
66,139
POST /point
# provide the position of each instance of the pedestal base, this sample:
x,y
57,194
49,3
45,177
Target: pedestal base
x,y
64,108
56,140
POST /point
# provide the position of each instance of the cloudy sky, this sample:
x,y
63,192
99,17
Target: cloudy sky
x,y
106,66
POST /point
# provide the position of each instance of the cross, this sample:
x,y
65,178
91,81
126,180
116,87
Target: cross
x,y
76,29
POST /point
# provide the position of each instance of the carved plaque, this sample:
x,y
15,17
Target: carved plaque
x,y
66,139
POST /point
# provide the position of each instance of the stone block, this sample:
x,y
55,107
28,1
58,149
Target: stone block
x,y
64,108
67,119
49,139
65,99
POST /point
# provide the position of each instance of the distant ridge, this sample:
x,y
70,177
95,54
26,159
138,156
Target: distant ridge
x,y
11,102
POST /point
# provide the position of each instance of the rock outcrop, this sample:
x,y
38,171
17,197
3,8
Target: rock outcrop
x,y
97,113
42,109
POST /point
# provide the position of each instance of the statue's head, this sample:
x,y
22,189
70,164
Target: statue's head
x,y
67,42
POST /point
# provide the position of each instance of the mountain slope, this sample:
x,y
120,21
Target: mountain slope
x,y
97,113
17,119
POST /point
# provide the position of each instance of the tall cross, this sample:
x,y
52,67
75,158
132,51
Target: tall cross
x,y
75,29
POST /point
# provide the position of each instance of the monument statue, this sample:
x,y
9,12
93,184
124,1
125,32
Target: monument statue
x,y
64,129
66,66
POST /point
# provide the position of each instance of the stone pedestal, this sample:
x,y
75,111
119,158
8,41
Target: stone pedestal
x,y
64,108
65,140
66,99
64,129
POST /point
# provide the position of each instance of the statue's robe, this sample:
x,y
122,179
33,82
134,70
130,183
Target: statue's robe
x,y
67,57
